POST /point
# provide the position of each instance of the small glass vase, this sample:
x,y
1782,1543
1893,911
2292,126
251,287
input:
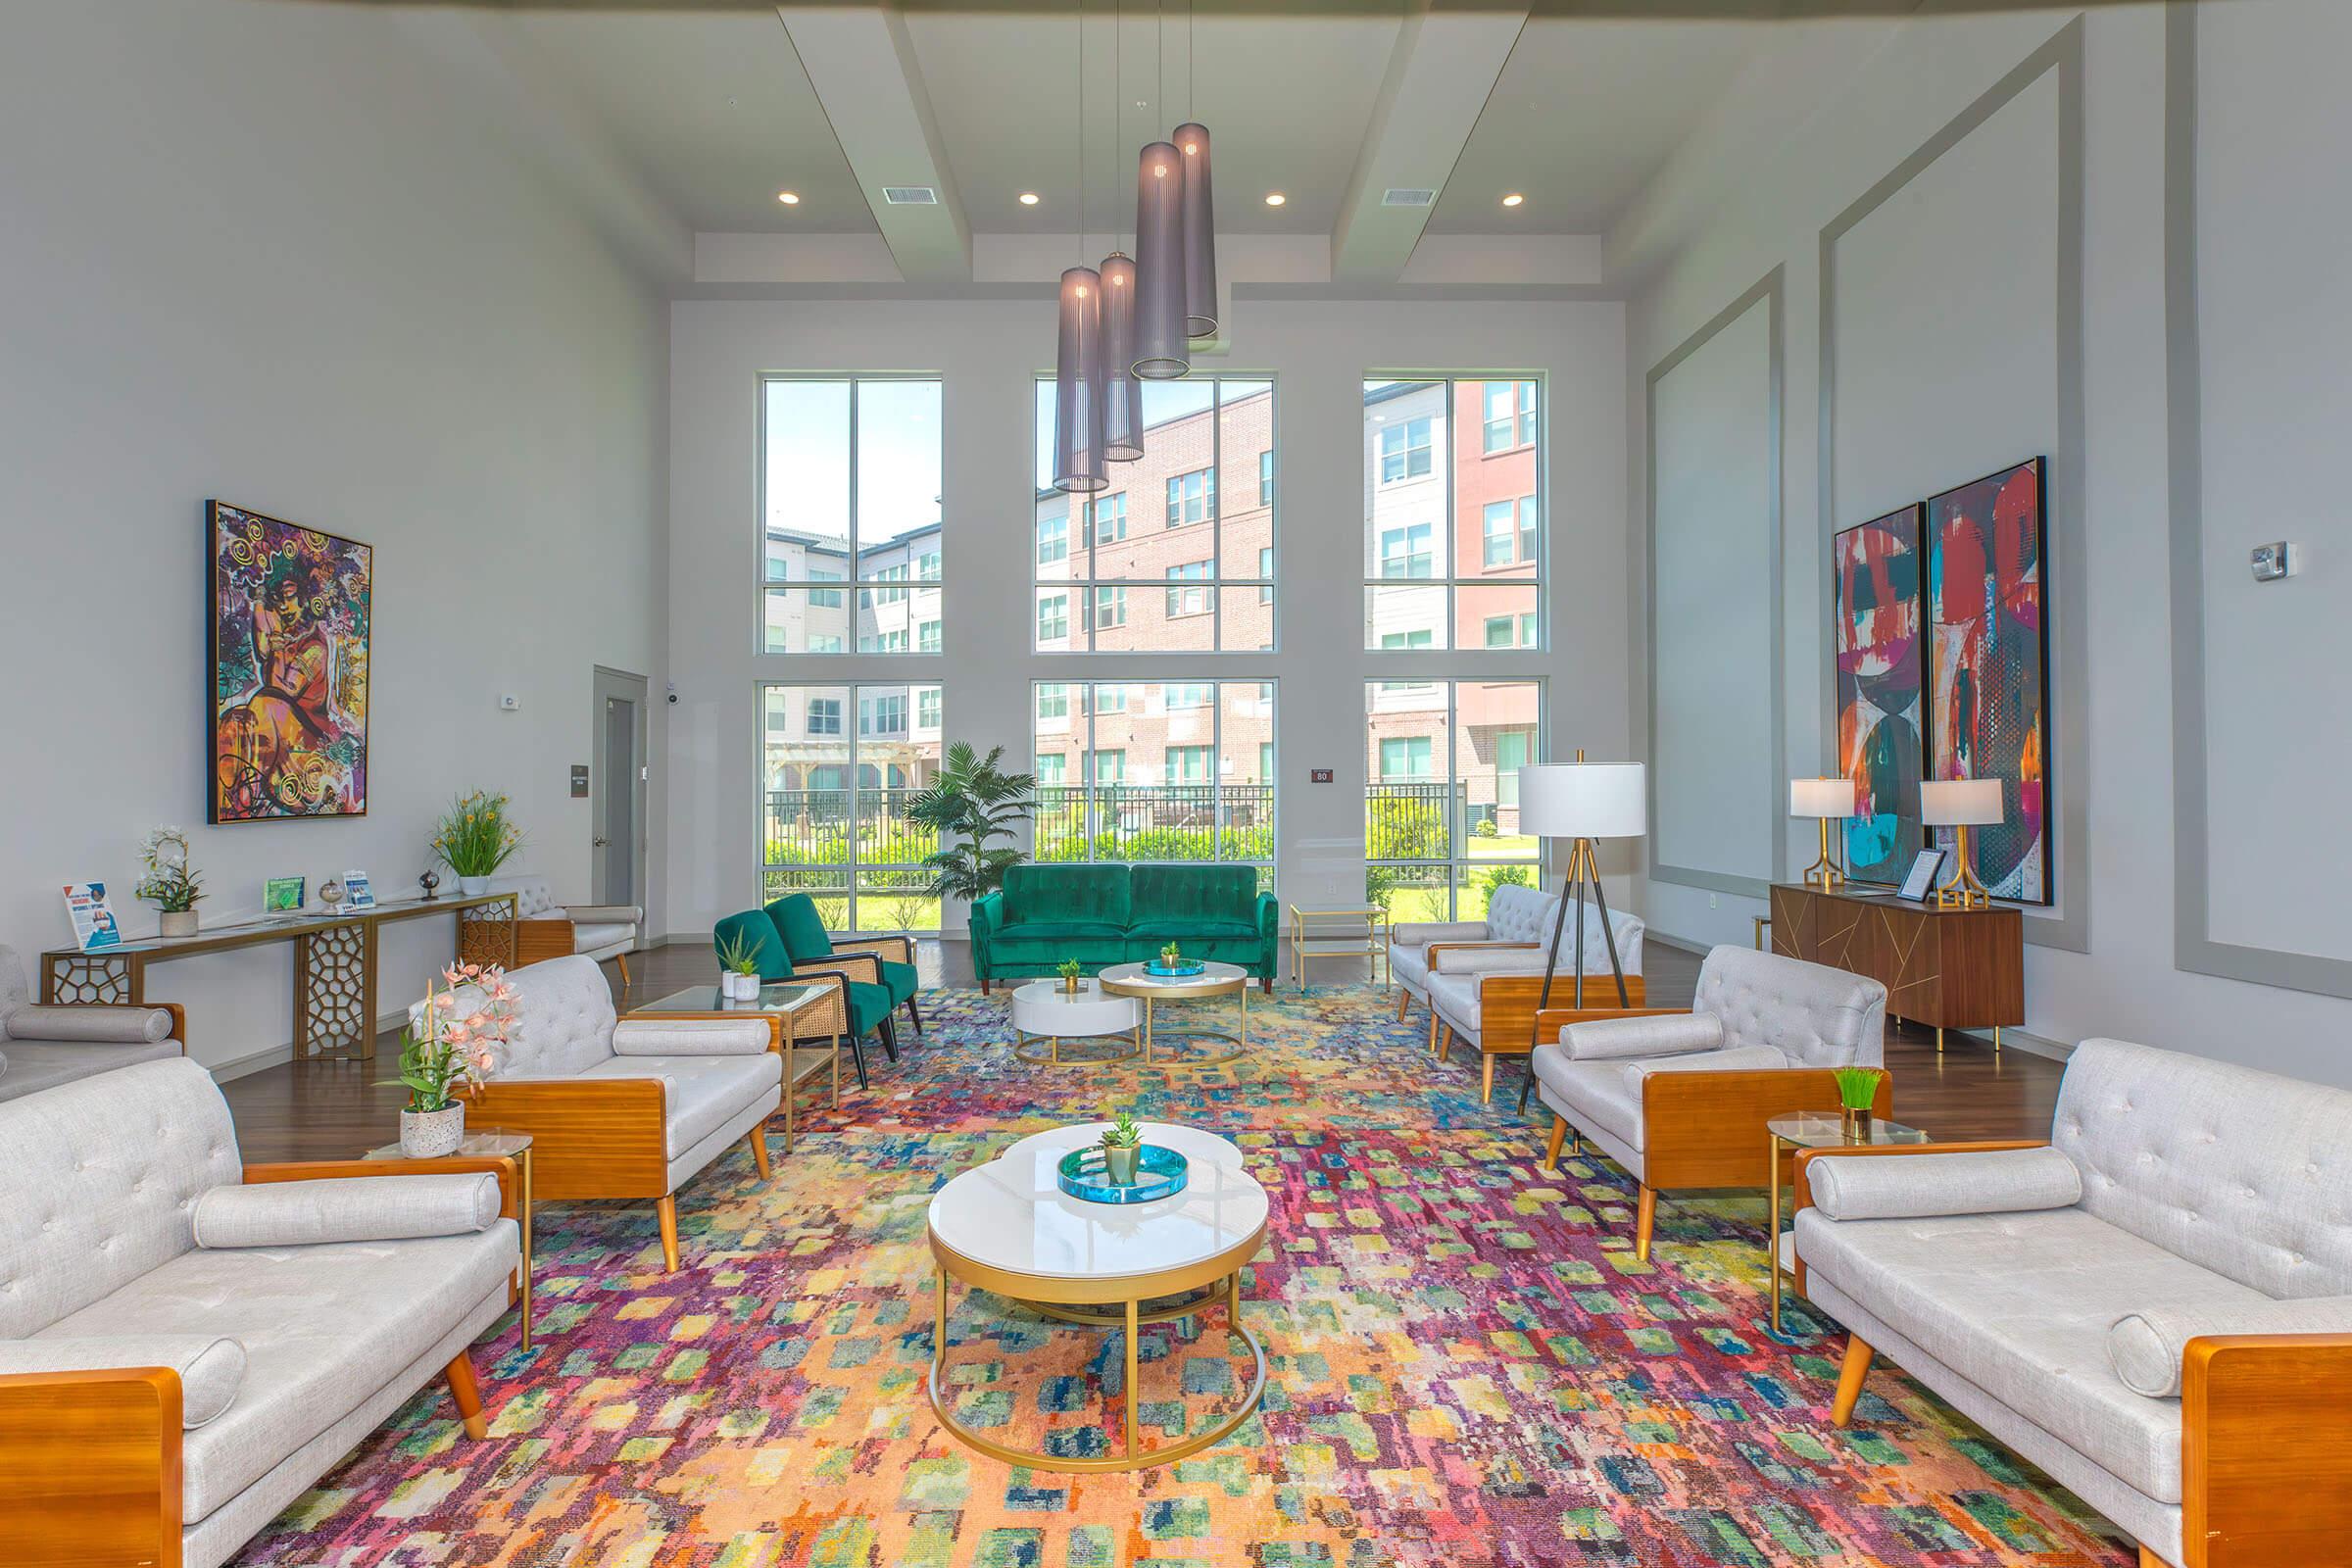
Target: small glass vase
x,y
1857,1122
1119,1164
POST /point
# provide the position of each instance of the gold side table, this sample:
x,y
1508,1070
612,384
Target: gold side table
x,y
1307,942
1214,980
1816,1129
495,1143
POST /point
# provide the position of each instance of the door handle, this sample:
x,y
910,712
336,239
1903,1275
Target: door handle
x,y
601,842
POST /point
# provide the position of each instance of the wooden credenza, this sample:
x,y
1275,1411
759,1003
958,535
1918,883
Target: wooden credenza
x,y
1946,968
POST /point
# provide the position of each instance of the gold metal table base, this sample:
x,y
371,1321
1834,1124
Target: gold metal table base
x,y
1184,1292
1237,1045
1027,1048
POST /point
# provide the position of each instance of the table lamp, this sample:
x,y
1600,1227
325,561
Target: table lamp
x,y
1832,800
1961,804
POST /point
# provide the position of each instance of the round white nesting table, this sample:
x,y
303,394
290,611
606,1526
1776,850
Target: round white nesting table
x,y
1213,980
1007,1227
1043,1010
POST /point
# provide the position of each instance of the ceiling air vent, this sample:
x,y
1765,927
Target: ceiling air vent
x,y
1394,197
911,195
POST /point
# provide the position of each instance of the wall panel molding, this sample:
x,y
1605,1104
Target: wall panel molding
x,y
2067,925
1767,291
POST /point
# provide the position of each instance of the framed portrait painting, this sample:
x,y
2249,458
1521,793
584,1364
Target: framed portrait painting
x,y
286,652
1874,592
1989,698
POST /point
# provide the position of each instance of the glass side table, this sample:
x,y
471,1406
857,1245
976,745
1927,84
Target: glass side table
x,y
1816,1129
495,1143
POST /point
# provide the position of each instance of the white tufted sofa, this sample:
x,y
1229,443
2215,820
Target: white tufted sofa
x,y
2156,1307
42,1046
1680,1099
624,1109
174,1369
547,929
1517,918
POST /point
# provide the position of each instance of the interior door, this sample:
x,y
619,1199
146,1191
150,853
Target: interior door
x,y
616,790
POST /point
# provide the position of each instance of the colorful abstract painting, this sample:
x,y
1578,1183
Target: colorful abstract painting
x,y
1989,711
287,647
1875,582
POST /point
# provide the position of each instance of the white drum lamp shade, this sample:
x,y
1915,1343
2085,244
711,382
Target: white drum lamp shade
x,y
1960,803
1829,798
1584,800
1078,389
1200,234
1124,406
1162,348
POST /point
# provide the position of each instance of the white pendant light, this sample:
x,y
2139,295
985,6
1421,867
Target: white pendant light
x,y
1199,245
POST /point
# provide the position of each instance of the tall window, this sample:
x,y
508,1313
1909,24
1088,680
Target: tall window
x,y
1154,772
1197,509
1442,794
1453,485
834,796
850,471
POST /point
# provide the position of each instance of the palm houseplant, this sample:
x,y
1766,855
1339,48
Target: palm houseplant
x,y
975,804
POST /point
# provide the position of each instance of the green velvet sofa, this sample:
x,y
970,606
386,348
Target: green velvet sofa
x,y
1102,914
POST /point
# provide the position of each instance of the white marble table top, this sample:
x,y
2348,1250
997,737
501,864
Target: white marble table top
x,y
1043,1007
1135,974
1009,1214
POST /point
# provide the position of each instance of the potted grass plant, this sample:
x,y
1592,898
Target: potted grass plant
x,y
451,1043
1122,1149
1857,1093
476,838
739,970
171,884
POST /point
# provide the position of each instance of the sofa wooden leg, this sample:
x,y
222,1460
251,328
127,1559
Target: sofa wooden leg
x,y
1850,1374
1551,1147
1437,1036
1265,984
1486,1086
622,959
1645,1220
915,1017
667,1209
983,985
1404,999
757,1139
2150,1559
466,1395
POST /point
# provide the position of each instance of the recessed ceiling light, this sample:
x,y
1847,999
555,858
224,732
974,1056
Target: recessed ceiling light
x,y
789,198
1513,199
1275,198
1028,198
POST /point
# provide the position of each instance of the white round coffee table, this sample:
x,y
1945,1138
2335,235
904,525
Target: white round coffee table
x,y
1213,980
1043,1010
1007,1228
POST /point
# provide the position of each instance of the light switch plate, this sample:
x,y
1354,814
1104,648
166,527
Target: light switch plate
x,y
2273,561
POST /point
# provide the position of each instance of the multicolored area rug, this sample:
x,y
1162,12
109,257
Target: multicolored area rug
x,y
1467,1364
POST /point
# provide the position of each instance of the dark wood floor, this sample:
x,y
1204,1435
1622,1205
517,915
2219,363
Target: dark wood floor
x,y
332,1111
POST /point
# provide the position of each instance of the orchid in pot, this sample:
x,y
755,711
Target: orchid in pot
x,y
171,884
450,1043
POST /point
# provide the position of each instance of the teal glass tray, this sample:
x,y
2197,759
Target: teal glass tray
x,y
1159,1173
1182,971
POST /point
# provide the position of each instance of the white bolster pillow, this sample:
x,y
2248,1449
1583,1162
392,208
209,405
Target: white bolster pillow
x,y
94,1026
346,1208
210,1367
1501,961
1672,1034
2146,1347
2006,1181
691,1037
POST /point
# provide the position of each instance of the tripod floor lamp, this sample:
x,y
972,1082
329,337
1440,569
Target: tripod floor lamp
x,y
1581,801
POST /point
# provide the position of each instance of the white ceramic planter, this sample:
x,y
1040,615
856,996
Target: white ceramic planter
x,y
177,923
470,886
428,1135
739,987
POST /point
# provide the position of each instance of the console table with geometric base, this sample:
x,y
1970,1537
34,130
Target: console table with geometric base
x,y
1944,968
334,964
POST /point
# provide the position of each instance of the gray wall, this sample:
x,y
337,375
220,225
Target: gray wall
x,y
287,257
1992,249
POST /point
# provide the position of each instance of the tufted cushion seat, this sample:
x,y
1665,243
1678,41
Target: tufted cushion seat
x,y
1515,914
701,1094
1102,914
